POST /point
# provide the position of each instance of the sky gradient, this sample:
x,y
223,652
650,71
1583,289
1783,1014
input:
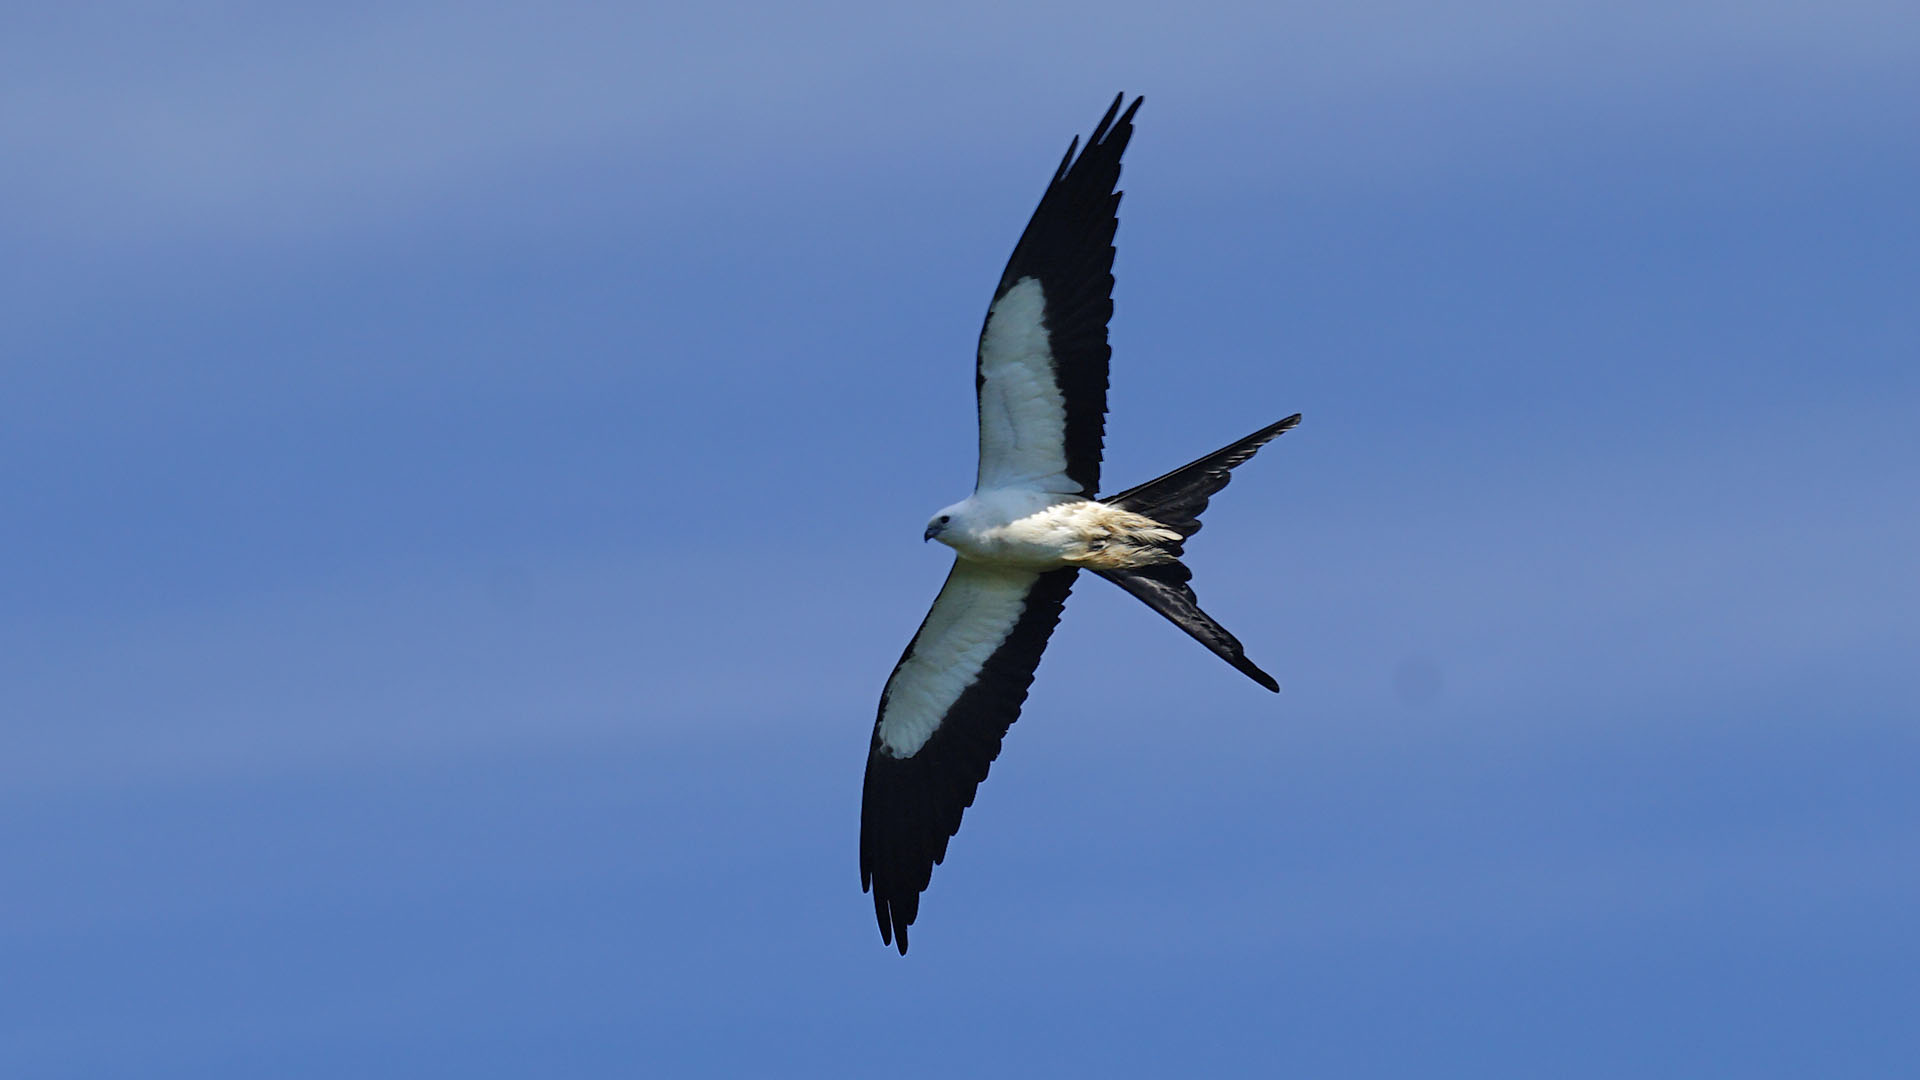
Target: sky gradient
x,y
466,467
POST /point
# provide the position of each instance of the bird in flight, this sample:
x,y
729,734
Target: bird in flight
x,y
1031,525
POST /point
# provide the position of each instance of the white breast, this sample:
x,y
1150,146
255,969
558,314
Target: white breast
x,y
1020,527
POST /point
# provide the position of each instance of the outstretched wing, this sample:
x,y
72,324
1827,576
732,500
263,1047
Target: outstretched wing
x,y
1042,369
947,705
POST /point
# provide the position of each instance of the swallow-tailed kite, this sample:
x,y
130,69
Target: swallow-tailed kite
x,y
1031,525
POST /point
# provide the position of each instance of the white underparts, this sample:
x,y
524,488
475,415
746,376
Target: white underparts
x,y
1037,531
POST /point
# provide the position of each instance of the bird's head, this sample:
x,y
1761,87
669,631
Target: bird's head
x,y
938,525
944,520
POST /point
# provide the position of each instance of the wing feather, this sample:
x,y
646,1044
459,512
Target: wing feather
x,y
1041,374
947,706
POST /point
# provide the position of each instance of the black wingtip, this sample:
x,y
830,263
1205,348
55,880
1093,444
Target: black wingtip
x,y
1073,145
1106,121
892,931
1115,121
1113,124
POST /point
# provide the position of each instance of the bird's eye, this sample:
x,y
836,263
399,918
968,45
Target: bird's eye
x,y
944,519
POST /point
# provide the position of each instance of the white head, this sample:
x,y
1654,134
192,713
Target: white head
x,y
948,518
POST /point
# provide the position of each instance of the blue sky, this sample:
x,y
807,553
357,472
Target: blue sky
x,y
466,466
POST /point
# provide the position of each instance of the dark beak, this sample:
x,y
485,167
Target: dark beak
x,y
932,531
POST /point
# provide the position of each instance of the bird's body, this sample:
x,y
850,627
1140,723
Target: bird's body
x,y
1031,525
1036,530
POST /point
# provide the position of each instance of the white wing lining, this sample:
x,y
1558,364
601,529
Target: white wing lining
x,y
971,618
1023,416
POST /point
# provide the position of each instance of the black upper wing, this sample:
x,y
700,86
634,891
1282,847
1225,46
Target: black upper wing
x,y
1067,249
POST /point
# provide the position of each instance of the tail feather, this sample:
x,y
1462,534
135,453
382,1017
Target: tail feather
x,y
1177,499
1163,587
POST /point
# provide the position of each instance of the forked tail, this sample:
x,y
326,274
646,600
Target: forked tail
x,y
1177,500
